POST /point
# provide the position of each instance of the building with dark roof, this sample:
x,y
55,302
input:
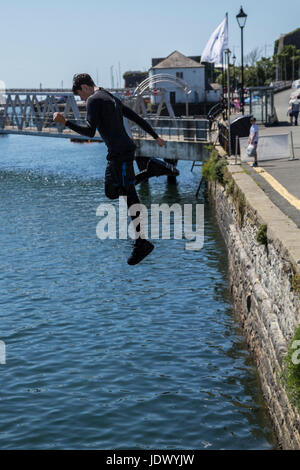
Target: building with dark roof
x,y
190,71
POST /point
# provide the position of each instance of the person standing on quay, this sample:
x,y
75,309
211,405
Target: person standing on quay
x,y
294,109
105,112
253,138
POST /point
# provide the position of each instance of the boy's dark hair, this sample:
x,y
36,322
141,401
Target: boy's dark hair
x,y
81,79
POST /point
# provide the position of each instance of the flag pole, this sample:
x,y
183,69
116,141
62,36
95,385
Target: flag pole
x,y
223,75
226,16
227,53
223,71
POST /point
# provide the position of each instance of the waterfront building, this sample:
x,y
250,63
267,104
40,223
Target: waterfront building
x,y
192,72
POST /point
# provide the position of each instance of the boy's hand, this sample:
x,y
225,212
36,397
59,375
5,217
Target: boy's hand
x,y
160,142
59,118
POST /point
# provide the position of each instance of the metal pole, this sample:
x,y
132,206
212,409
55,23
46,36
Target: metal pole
x,y
236,147
242,60
292,147
223,80
227,52
120,77
186,104
233,79
233,88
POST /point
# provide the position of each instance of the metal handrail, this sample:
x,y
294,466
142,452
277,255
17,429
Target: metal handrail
x,y
197,130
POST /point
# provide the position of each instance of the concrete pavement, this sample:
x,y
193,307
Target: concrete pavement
x,y
280,179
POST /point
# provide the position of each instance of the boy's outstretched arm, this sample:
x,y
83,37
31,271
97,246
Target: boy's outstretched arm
x,y
89,130
130,114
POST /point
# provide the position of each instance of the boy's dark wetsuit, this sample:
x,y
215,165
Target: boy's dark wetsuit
x,y
105,112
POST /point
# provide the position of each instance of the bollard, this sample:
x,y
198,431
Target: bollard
x,y
236,148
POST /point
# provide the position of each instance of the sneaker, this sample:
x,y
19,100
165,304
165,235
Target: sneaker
x,y
141,249
159,167
254,165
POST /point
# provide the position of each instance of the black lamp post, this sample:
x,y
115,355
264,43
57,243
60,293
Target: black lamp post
x,y
241,19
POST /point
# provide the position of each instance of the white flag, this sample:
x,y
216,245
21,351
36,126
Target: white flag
x,y
218,42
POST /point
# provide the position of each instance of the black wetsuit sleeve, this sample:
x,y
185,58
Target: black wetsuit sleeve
x,y
130,114
90,129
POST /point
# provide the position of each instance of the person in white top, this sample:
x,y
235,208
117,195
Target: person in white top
x,y
253,138
294,106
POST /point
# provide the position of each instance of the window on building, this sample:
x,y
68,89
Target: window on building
x,y
179,74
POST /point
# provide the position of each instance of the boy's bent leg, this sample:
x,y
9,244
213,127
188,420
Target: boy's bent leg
x,y
156,167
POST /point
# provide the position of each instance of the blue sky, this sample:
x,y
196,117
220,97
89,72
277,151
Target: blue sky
x,y
50,41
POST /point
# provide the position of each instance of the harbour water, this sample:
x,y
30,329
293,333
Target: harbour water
x,y
101,355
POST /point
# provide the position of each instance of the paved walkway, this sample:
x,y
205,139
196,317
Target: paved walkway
x,y
280,179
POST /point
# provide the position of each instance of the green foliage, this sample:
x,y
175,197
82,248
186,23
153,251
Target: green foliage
x,y
288,61
241,202
261,72
209,165
261,236
296,282
230,187
131,73
219,170
291,371
213,168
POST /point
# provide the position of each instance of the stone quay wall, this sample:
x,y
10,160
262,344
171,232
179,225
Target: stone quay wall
x,y
260,278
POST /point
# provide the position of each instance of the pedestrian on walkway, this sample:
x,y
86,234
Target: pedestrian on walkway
x,y
294,107
237,105
290,111
253,138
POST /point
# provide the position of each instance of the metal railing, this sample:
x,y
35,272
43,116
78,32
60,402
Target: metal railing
x,y
32,113
281,85
215,111
176,129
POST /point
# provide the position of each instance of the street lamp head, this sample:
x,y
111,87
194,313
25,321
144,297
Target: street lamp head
x,y
241,18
